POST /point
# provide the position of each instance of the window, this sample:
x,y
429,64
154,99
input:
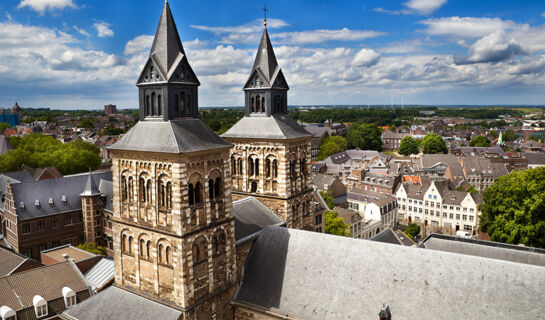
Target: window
x,y
318,219
444,214
42,247
69,297
458,217
67,220
55,244
427,203
54,223
7,313
40,306
28,252
470,218
40,225
471,210
26,228
451,215
464,217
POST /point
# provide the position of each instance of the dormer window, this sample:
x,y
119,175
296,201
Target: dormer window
x,y
69,297
7,313
63,199
51,203
40,306
22,206
37,203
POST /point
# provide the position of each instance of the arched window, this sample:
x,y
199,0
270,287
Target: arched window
x,y
160,253
159,105
218,189
188,104
218,244
182,104
254,187
198,193
304,209
69,297
148,246
262,104
124,243
256,167
152,72
130,188
191,194
7,313
130,244
239,165
268,168
142,192
253,104
148,191
303,165
211,189
142,248
275,168
161,194
278,106
257,103
250,166
169,195
168,255
123,188
40,306
233,165
176,105
148,106
153,104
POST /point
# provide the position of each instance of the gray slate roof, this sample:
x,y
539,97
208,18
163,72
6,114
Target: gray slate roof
x,y
387,236
90,187
265,61
116,303
5,146
318,276
174,136
107,189
252,216
9,260
101,273
275,127
536,158
429,160
486,249
70,186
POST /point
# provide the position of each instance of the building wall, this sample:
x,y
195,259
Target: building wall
x,y
286,191
201,268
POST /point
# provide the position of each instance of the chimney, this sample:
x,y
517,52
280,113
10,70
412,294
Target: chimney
x,y
385,313
65,256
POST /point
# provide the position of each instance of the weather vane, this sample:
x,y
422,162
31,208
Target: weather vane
x,y
265,14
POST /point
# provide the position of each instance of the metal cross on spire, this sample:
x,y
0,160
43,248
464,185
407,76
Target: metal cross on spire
x,y
265,14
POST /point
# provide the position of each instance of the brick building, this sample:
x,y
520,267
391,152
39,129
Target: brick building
x,y
110,109
44,214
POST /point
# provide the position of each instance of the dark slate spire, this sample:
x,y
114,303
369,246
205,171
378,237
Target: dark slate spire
x,y
266,88
90,187
265,58
168,85
167,44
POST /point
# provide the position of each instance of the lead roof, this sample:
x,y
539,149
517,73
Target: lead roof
x,y
276,127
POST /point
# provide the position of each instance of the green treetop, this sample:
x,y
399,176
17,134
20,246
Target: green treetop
x,y
480,141
433,143
336,225
408,146
364,136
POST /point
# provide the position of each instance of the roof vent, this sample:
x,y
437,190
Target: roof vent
x,y
37,203
65,256
453,198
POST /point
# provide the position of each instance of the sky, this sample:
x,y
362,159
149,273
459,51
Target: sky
x,y
83,54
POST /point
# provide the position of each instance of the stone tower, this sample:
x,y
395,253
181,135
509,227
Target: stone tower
x,y
91,209
271,157
173,225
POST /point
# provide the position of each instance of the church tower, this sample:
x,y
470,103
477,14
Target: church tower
x,y
271,157
173,226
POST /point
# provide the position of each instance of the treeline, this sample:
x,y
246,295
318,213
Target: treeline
x,y
396,116
37,150
220,120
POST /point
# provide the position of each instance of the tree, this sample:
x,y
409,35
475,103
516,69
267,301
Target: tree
x,y
93,248
509,135
493,134
86,123
412,230
513,208
324,137
4,126
433,143
214,124
335,224
408,146
328,149
328,198
340,141
480,141
364,136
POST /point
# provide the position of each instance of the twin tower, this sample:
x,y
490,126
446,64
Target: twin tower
x,y
175,179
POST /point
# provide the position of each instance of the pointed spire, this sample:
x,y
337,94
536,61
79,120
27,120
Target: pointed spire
x,y
90,187
167,44
265,58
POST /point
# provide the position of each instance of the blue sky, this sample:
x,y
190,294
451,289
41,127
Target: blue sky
x,y
87,53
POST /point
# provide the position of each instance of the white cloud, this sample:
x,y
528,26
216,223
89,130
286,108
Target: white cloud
x,y
254,26
493,48
83,32
469,27
41,6
424,6
366,58
138,44
103,29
